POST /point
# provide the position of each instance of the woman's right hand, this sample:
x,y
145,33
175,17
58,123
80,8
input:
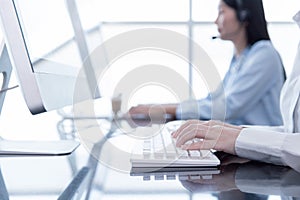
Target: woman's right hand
x,y
140,109
209,134
153,110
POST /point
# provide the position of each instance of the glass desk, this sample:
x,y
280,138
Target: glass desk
x,y
82,176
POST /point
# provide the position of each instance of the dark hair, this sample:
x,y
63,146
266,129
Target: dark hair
x,y
251,12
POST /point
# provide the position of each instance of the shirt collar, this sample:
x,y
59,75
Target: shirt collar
x,y
243,54
237,62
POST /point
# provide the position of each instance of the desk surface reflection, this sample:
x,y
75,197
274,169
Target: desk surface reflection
x,y
82,176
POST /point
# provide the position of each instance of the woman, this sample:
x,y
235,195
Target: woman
x,y
253,82
278,145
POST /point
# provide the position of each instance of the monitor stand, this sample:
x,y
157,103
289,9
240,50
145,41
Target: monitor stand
x,y
27,148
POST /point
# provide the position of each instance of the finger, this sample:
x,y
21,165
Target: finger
x,y
190,132
220,123
184,126
200,145
140,109
185,135
198,130
210,136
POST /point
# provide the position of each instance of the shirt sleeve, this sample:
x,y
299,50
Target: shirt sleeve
x,y
243,90
269,146
268,128
211,107
256,77
291,151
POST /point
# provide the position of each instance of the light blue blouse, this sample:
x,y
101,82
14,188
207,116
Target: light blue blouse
x,y
249,93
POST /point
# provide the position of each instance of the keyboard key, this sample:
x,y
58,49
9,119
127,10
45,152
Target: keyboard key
x,y
161,151
194,154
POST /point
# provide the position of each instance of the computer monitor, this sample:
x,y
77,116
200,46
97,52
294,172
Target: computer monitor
x,y
46,51
47,47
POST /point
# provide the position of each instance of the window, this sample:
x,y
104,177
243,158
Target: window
x,y
191,18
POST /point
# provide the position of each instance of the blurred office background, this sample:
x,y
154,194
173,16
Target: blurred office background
x,y
192,18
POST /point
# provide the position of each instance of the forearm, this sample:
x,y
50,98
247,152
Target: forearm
x,y
170,108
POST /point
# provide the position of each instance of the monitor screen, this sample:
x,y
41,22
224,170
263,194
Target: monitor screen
x,y
48,45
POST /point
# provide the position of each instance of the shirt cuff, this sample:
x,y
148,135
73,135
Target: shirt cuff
x,y
267,128
188,110
260,144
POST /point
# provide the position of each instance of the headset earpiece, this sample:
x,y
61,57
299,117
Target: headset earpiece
x,y
242,13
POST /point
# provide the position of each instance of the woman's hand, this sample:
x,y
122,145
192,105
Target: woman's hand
x,y
209,134
153,110
140,109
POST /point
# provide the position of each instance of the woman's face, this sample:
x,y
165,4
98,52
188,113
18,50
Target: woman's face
x,y
228,25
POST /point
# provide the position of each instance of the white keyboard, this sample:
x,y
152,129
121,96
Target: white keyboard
x,y
161,151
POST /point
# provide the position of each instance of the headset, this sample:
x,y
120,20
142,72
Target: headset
x,y
243,14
